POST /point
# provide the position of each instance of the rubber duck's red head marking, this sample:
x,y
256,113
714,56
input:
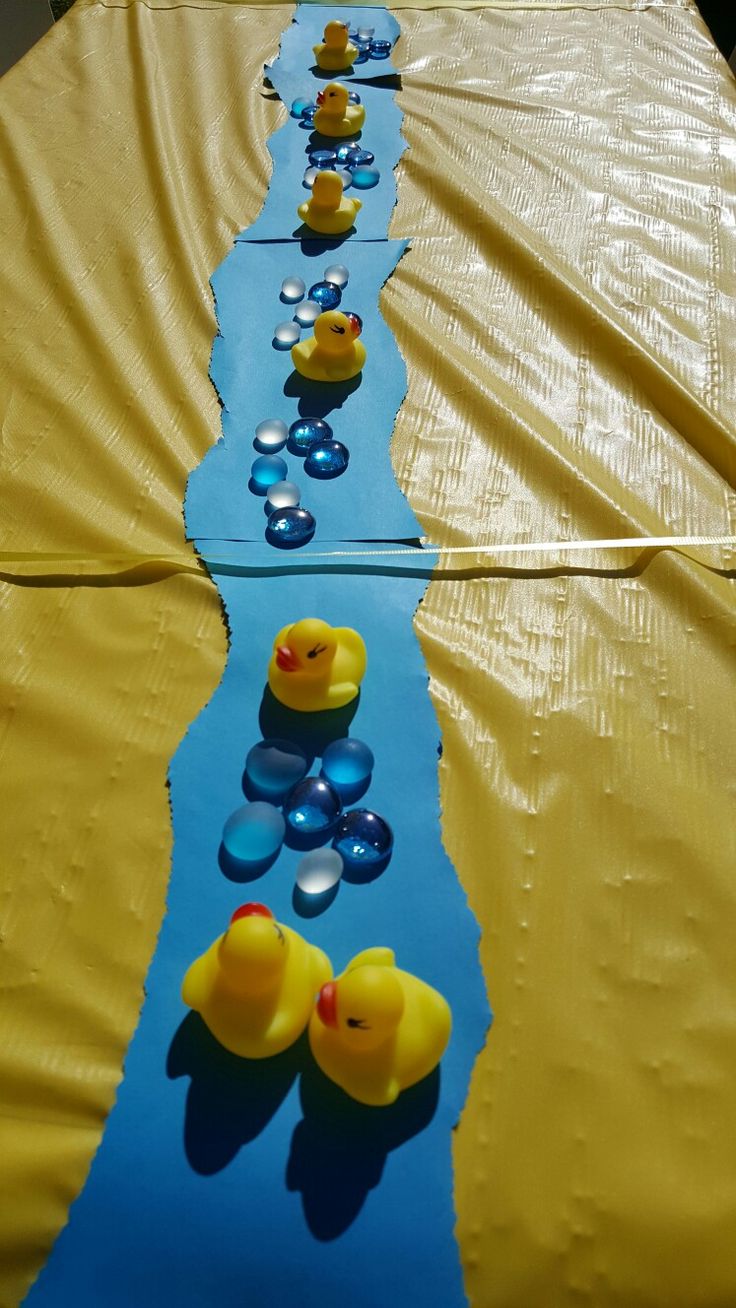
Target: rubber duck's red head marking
x,y
327,1004
250,910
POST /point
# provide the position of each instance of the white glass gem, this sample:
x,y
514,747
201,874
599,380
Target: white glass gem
x,y
283,495
319,871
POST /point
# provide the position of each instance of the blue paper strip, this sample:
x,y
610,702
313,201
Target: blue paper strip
x,y
223,1182
219,1180
255,381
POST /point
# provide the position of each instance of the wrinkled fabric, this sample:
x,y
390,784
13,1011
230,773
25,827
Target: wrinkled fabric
x,y
566,314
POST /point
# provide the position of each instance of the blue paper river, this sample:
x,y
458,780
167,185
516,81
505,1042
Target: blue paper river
x,y
221,1181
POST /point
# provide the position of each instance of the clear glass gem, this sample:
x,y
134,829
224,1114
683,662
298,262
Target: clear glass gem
x,y
318,871
308,178
292,290
338,274
326,459
284,495
312,806
271,435
286,335
307,313
254,832
353,97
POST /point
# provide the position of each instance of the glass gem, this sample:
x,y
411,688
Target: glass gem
x,y
346,177
347,763
356,322
365,33
308,178
362,55
318,871
275,766
271,435
292,290
307,313
363,838
308,112
267,470
343,151
326,459
357,157
338,274
290,528
380,49
305,431
254,832
325,295
312,806
365,178
286,335
323,158
298,106
353,97
283,495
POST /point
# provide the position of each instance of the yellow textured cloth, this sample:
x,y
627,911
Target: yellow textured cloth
x,y
567,318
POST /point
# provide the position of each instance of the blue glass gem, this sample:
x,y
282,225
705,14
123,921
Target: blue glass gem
x,y
380,49
298,106
308,112
362,55
365,178
324,158
347,763
254,832
356,157
326,459
305,432
353,97
363,838
289,528
343,151
325,295
274,766
312,806
266,470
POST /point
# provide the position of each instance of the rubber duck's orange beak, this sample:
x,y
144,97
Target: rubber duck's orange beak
x,y
286,659
327,1004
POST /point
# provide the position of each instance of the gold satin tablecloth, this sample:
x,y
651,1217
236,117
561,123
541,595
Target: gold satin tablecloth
x,y
566,313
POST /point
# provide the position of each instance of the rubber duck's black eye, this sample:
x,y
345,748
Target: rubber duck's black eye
x,y
280,933
359,1023
318,649
340,330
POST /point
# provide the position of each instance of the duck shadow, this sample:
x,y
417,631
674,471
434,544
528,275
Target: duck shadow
x,y
314,245
304,233
334,75
230,1100
318,140
313,732
339,1149
317,399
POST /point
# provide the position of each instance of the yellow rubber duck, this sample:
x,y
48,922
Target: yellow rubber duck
x,y
255,986
336,52
328,210
335,115
377,1030
315,666
334,353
